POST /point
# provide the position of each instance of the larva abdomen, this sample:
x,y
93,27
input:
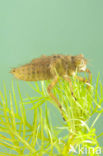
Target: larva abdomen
x,y
31,72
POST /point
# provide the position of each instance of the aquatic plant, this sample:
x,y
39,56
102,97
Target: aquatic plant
x,y
18,136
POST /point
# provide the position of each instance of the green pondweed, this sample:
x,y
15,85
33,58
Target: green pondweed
x,y
40,137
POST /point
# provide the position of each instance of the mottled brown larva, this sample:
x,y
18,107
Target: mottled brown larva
x,y
52,67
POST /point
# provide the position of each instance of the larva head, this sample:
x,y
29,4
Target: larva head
x,y
80,62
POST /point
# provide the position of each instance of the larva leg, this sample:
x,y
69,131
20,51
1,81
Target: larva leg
x,y
53,83
81,79
67,78
89,77
87,81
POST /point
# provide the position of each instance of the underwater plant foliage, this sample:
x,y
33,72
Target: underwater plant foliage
x,y
18,136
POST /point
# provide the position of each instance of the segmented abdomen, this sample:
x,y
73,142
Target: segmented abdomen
x,y
32,72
